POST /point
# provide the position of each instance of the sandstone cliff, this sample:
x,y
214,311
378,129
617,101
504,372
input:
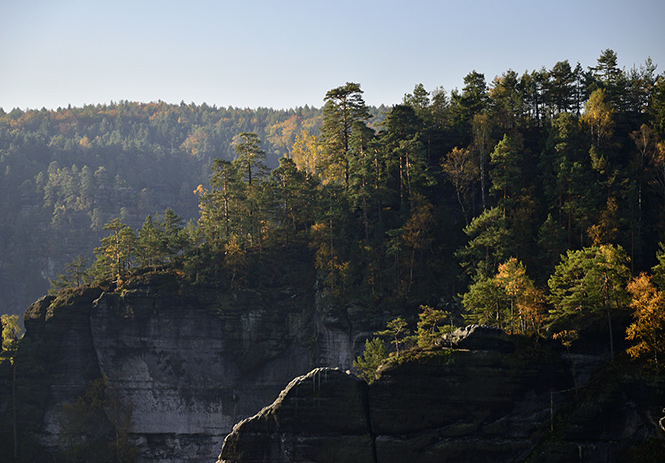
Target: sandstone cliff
x,y
488,400
189,362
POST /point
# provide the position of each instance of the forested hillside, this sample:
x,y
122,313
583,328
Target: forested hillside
x,y
534,203
65,173
445,197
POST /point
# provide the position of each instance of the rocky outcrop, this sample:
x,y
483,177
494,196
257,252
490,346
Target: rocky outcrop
x,y
190,362
477,404
479,337
298,426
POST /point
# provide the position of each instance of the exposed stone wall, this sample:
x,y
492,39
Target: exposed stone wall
x,y
190,363
486,401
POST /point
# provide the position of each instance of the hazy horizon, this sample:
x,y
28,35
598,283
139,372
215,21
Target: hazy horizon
x,y
289,54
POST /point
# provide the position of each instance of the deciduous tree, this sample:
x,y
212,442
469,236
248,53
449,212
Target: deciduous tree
x,y
508,300
306,153
648,328
462,170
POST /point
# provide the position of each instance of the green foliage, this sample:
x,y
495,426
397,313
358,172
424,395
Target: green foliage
x,y
10,336
489,244
484,303
65,173
76,275
116,256
365,199
398,332
363,207
589,280
658,270
369,361
430,325
506,172
344,106
291,192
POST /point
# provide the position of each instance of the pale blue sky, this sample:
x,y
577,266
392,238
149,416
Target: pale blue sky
x,y
283,54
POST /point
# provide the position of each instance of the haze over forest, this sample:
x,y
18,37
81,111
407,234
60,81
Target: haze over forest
x,y
554,152
532,202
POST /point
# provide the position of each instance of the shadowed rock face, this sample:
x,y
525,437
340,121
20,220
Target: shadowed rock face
x,y
423,410
299,426
190,364
479,405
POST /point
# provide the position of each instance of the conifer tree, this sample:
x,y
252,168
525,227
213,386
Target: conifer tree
x,y
250,160
489,244
589,280
371,358
506,173
76,274
398,331
343,107
152,244
117,253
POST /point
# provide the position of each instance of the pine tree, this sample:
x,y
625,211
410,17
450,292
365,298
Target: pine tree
x,y
369,361
343,107
589,280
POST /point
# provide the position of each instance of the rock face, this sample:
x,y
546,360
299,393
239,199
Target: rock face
x,y
480,405
298,426
190,364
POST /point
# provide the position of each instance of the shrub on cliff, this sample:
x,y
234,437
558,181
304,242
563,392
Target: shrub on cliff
x,y
369,361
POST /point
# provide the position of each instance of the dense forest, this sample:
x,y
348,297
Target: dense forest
x,y
531,203
491,199
66,173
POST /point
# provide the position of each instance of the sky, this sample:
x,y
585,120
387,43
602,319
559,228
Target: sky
x,y
289,53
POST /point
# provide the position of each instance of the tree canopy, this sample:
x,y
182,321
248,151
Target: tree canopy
x,y
512,198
